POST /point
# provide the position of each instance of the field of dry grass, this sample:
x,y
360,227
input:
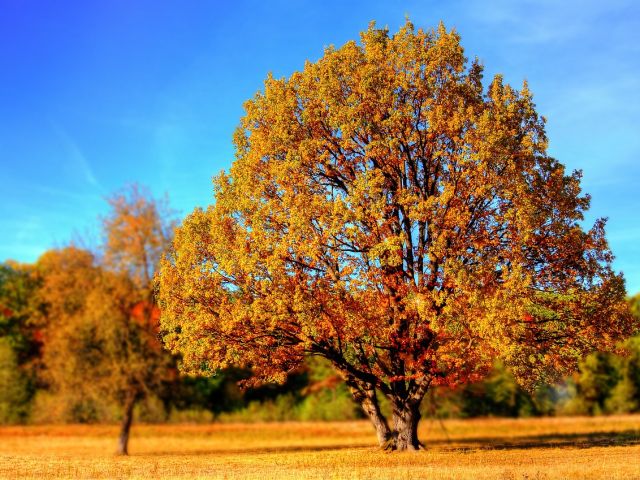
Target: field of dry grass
x,y
558,448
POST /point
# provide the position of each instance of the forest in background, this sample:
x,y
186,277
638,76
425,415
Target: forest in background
x,y
79,343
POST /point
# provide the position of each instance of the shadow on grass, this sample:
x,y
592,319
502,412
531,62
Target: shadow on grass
x,y
555,440
559,440
263,450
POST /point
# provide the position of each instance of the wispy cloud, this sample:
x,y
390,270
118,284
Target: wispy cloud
x,y
77,158
73,196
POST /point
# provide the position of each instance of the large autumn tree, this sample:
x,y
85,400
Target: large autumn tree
x,y
387,212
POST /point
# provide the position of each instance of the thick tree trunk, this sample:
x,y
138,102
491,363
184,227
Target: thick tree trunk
x,y
125,428
406,417
406,414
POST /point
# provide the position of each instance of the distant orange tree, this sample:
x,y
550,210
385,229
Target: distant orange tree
x,y
388,213
101,317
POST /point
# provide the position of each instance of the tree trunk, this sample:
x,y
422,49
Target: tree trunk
x,y
365,396
125,428
406,417
372,409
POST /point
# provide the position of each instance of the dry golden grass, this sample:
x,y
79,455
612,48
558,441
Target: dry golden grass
x,y
558,448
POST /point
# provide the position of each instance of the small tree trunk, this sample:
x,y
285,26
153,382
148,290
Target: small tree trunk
x,y
125,428
405,426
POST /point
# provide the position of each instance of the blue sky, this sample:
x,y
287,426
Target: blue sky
x,y
95,95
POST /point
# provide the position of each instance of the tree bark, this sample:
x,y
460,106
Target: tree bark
x,y
406,417
125,427
372,409
365,396
406,414
405,420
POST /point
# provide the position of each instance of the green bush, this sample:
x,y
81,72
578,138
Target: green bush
x,y
15,391
330,405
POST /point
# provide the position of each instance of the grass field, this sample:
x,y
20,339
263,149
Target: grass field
x,y
556,448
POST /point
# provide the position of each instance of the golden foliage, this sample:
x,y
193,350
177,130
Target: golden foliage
x,y
387,212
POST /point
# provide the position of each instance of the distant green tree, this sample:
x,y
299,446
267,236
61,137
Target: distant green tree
x,y
15,391
17,286
326,396
20,343
497,395
592,385
634,305
625,396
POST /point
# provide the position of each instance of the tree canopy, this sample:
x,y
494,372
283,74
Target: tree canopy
x,y
389,213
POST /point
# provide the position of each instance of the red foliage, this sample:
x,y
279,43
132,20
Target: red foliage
x,y
146,315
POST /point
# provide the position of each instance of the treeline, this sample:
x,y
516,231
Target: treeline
x,y
79,342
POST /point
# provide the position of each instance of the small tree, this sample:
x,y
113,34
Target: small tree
x,y
137,232
102,335
387,213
